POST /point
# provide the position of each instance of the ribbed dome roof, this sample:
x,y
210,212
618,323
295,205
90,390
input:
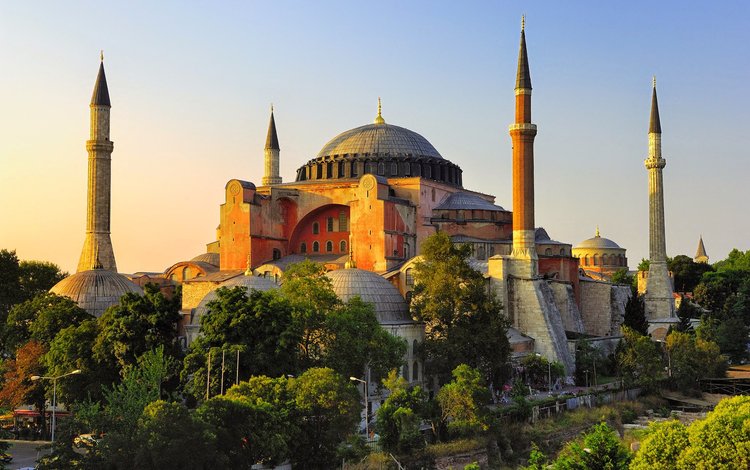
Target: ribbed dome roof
x,y
250,283
379,139
390,306
598,242
210,258
95,290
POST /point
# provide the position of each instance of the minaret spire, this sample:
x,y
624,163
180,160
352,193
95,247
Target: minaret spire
x,y
659,302
522,133
97,247
271,154
379,118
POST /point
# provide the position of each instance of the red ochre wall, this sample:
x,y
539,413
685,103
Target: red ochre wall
x,y
303,232
566,267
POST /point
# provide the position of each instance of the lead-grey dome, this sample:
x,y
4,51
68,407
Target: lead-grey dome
x,y
390,306
250,283
379,139
95,290
598,242
210,258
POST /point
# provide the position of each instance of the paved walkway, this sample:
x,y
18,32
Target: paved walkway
x,y
25,453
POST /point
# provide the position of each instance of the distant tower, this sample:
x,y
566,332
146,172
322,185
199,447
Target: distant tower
x,y
100,148
700,254
522,133
659,301
271,153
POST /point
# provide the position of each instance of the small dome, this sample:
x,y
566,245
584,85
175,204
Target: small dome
x,y
390,306
210,258
250,283
379,139
95,290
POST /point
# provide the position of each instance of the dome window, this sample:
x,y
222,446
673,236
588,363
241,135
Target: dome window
x,y
394,169
381,168
342,169
354,169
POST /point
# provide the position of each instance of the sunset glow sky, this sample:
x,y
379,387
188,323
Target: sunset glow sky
x,y
191,84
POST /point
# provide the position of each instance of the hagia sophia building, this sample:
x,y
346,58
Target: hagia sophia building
x,y
363,206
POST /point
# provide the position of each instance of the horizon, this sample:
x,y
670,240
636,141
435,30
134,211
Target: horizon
x,y
192,113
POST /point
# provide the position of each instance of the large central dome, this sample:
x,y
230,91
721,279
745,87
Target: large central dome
x,y
379,139
380,149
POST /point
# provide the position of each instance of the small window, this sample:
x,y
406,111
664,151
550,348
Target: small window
x,y
414,371
316,247
406,371
342,246
319,167
329,170
407,169
596,260
329,246
409,277
329,223
605,260
427,171
586,260
414,348
342,222
315,228
394,169
492,250
480,252
433,193
562,251
548,252
276,253
342,169
354,169
303,248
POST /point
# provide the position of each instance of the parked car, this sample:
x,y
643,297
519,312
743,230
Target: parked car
x,y
85,440
5,457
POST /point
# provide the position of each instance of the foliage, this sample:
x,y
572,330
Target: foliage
x,y
644,265
588,359
720,441
736,260
464,402
326,408
537,459
621,276
140,323
38,277
169,437
10,286
398,418
635,314
599,448
687,273
464,322
692,359
41,318
540,371
18,388
639,360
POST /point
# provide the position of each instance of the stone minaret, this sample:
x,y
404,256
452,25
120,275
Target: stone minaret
x,y
659,301
98,243
700,254
522,133
271,153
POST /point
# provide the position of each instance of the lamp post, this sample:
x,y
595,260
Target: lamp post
x,y
54,394
367,405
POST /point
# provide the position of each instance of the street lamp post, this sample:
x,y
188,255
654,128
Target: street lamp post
x,y
54,394
367,405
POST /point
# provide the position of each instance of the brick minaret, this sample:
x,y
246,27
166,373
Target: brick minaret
x,y
659,302
98,243
522,132
271,153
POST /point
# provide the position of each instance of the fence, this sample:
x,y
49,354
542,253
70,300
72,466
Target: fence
x,y
589,401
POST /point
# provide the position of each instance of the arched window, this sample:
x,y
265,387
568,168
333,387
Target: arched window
x,y
407,169
329,223
417,169
276,253
414,371
605,258
342,246
394,169
329,246
548,252
354,169
427,170
586,260
316,228
480,252
185,273
316,247
381,168
414,348
409,277
562,251
596,260
406,371
303,248
342,169
329,170
320,171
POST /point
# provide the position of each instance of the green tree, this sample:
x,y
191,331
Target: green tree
x,y
599,448
464,402
326,409
737,260
540,372
38,277
10,285
139,324
720,441
588,359
639,360
635,314
42,317
621,276
691,359
644,265
399,417
687,273
464,322
169,437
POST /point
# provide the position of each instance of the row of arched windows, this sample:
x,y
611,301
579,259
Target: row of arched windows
x,y
325,170
604,260
329,247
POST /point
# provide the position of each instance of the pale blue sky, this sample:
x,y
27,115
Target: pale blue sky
x,y
191,83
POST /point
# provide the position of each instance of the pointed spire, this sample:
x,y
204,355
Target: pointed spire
x,y
379,118
523,77
597,232
655,123
701,253
100,97
272,140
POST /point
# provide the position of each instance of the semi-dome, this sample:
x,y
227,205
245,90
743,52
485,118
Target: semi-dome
x,y
210,258
381,149
250,283
95,290
390,306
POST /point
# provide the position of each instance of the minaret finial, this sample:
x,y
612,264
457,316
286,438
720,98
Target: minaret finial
x,y
653,81
379,118
350,262
101,55
523,22
597,232
271,108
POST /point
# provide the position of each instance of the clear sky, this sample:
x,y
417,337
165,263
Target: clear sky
x,y
191,84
